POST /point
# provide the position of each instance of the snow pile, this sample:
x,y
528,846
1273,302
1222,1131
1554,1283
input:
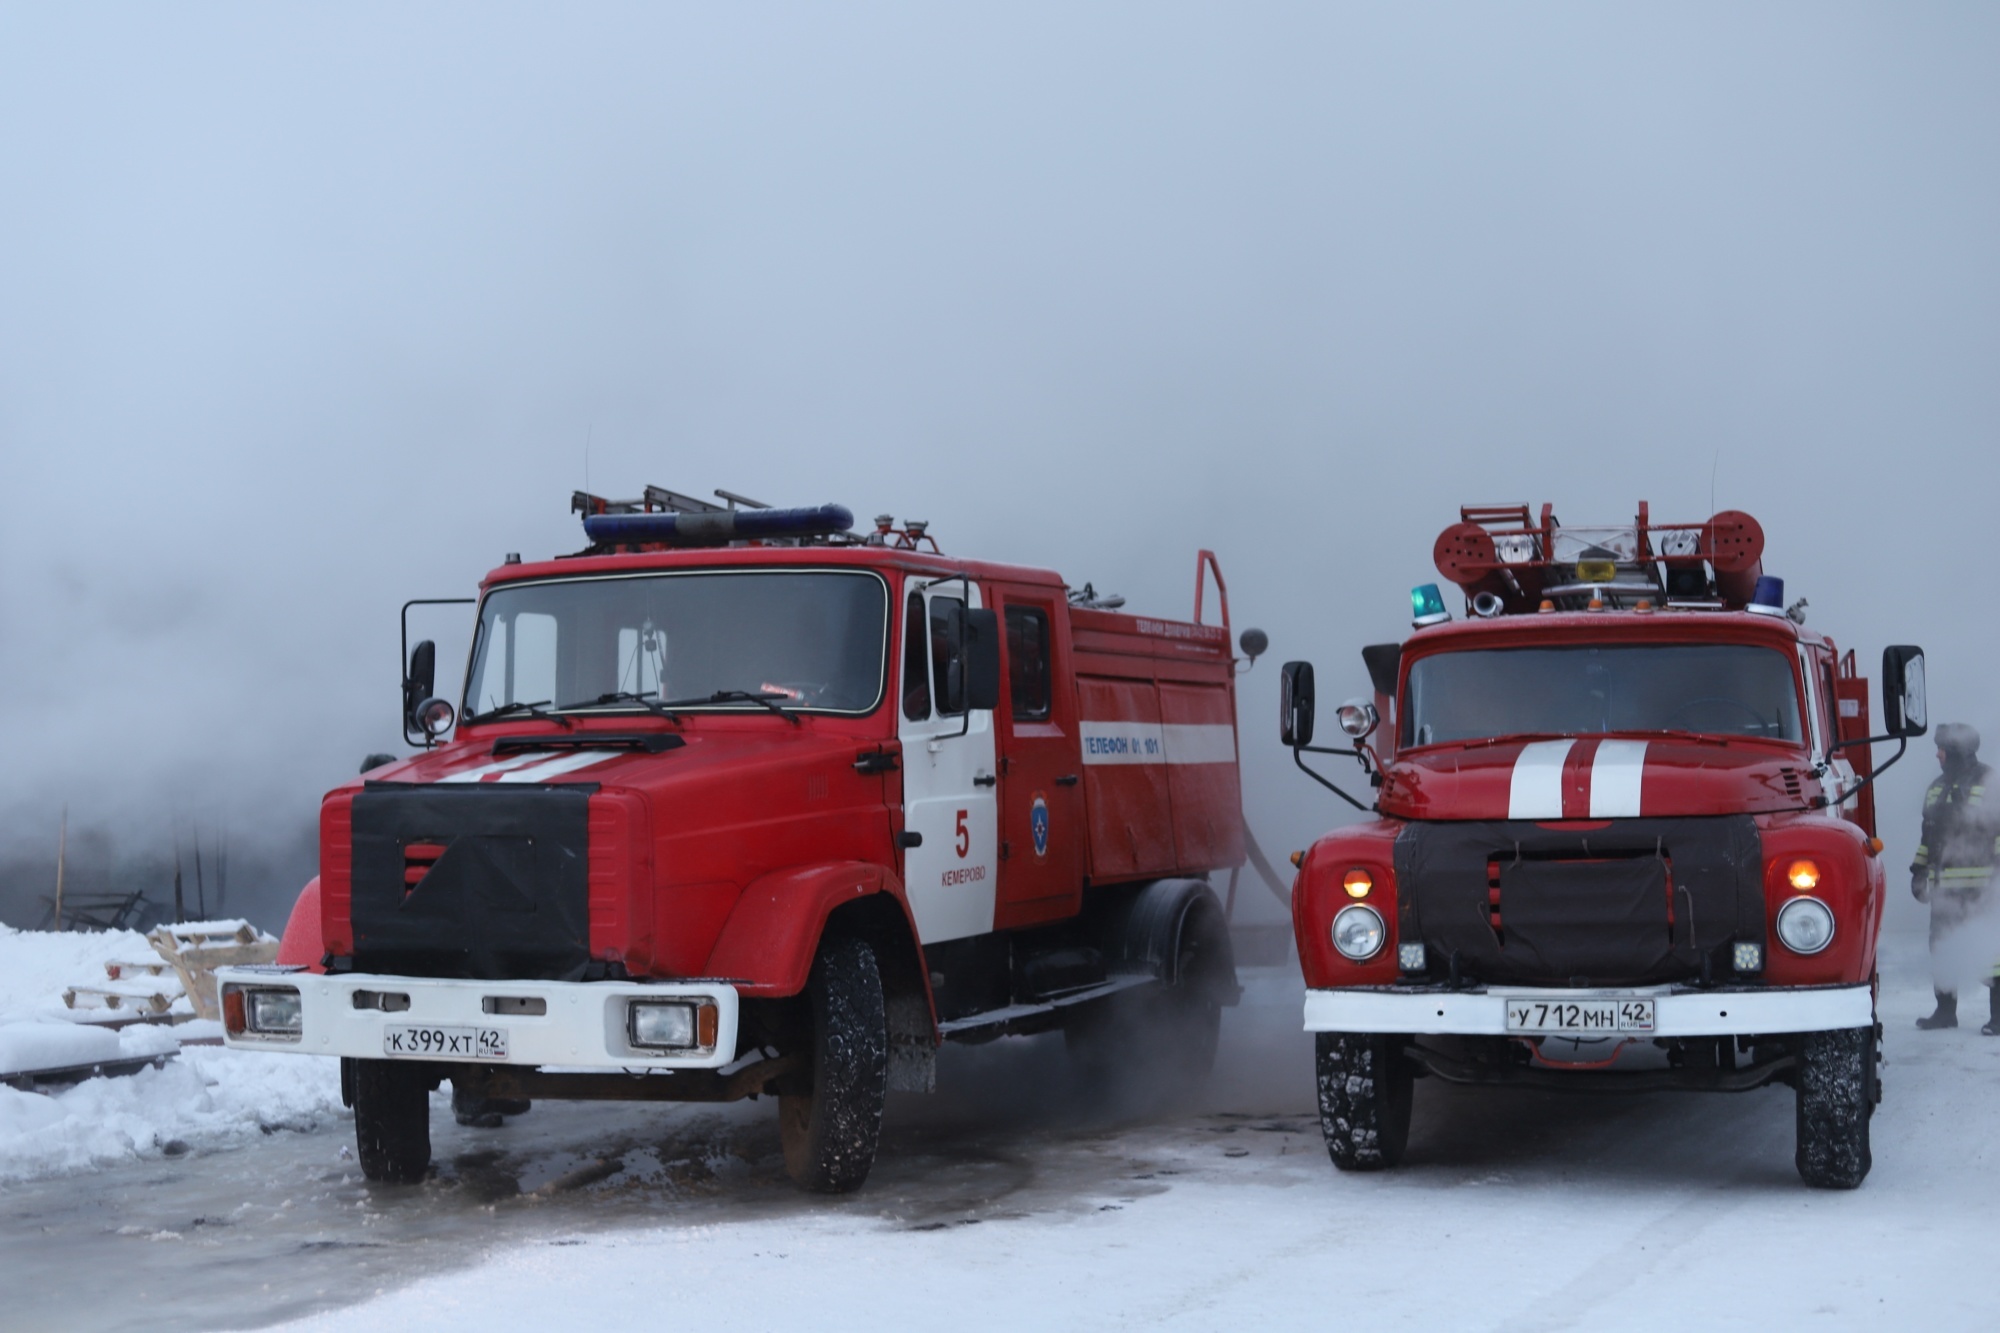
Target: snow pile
x,y
206,1098
36,966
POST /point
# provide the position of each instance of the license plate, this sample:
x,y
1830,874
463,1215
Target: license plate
x,y
441,1043
1556,1014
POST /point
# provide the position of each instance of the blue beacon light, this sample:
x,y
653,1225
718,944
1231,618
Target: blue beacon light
x,y
1427,606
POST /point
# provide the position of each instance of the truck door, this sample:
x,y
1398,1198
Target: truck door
x,y
1041,768
949,773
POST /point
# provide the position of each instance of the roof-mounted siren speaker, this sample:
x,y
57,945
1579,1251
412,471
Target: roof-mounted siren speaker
x,y
717,529
1487,605
1733,544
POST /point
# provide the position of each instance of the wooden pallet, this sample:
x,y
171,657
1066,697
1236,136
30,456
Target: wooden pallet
x,y
196,949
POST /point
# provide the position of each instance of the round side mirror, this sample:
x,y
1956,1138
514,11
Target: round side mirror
x,y
435,716
1254,642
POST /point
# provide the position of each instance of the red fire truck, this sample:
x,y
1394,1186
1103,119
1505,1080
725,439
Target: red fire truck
x,y
1622,836
739,802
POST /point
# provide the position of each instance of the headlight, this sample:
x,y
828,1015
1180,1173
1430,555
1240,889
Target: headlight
x,y
1356,717
435,717
1805,925
1803,875
662,1025
262,1011
1357,932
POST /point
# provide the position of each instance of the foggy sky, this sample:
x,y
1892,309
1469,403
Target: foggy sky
x,y
307,311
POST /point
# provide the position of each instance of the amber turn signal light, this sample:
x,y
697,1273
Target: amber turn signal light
x,y
1803,875
1297,859
1357,882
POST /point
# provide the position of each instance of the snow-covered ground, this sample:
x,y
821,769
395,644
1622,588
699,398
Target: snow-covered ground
x,y
1515,1211
1008,1200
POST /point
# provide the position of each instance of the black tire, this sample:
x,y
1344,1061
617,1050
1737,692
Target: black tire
x,y
392,1120
1836,1087
1365,1095
830,1128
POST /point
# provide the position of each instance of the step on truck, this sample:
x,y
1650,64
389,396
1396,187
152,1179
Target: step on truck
x,y
1621,836
737,802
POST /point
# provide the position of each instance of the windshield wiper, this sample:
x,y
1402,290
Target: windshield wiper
x,y
539,710
653,706
768,700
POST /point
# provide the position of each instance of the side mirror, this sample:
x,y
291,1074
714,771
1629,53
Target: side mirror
x,y
1295,704
981,645
1905,709
420,683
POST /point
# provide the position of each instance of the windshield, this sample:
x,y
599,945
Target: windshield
x,y
1712,688
812,640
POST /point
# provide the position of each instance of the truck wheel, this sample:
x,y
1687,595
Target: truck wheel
x,y
1836,1083
830,1130
1364,1100
392,1120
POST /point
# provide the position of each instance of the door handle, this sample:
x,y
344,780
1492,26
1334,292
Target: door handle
x,y
1068,780
875,761
984,780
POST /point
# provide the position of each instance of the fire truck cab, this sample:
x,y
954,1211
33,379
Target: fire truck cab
x,y
1622,836
736,802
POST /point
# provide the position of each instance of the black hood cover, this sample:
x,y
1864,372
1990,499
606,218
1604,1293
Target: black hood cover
x,y
1638,902
509,898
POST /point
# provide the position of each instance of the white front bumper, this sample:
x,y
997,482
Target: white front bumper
x,y
1482,1013
583,1027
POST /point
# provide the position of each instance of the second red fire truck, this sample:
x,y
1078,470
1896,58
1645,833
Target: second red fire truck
x,y
1621,835
738,802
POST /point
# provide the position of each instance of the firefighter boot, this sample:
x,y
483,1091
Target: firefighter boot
x,y
1992,1028
1946,1015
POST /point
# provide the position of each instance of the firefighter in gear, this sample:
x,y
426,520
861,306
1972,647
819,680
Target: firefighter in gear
x,y
1953,869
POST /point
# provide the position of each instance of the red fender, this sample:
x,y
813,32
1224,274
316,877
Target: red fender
x,y
302,944
768,943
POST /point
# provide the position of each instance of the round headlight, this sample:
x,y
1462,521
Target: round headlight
x,y
1356,717
435,716
1805,925
1357,932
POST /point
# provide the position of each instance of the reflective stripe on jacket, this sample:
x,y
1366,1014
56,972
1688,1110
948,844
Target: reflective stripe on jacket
x,y
1961,837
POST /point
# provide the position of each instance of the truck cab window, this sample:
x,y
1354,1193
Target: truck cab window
x,y
1028,663
517,660
916,661
1720,689
817,639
